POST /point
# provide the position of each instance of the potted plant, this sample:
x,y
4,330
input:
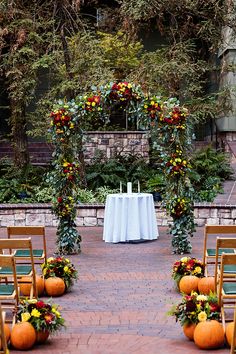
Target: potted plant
x,y
60,267
195,308
44,317
156,186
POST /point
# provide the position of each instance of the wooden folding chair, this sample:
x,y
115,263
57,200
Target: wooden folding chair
x,y
232,347
3,348
9,291
229,270
209,254
22,269
37,235
226,289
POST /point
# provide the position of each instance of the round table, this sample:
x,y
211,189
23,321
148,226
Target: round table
x,y
129,217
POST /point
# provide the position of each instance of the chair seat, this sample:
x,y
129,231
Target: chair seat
x,y
230,269
6,289
229,288
20,270
212,252
26,253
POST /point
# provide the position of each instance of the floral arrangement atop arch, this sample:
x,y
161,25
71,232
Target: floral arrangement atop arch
x,y
164,118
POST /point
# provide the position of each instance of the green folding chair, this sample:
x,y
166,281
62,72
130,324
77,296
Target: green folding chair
x,y
9,292
22,270
226,289
38,238
4,348
229,270
209,253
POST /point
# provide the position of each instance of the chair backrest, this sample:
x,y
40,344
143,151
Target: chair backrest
x,y
229,243
3,349
29,231
15,244
9,262
217,230
226,259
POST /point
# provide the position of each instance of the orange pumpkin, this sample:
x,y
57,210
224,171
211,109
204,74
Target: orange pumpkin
x,y
7,332
188,283
206,285
188,330
209,335
23,336
25,287
229,332
55,286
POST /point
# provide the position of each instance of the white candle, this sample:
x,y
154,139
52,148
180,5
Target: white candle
x,y
138,187
129,187
120,187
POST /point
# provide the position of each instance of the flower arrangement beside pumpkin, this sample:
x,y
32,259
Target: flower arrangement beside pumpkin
x,y
60,267
43,316
199,316
196,308
187,266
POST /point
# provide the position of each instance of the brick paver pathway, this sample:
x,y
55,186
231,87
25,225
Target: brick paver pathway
x,y
120,302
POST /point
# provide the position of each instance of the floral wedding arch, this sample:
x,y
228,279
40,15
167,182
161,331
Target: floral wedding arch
x,y
168,123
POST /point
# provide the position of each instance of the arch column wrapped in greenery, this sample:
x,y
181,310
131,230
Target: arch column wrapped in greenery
x,y
170,131
64,178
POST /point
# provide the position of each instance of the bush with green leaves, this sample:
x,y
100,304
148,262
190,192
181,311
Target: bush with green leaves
x,y
210,168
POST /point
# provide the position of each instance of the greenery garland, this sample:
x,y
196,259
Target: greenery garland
x,y
175,130
170,131
65,176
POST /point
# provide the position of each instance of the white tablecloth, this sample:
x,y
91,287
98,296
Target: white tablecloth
x,y
129,217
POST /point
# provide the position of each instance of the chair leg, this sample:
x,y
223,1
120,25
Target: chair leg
x,y
223,316
232,347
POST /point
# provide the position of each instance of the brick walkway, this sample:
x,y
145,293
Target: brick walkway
x,y
120,302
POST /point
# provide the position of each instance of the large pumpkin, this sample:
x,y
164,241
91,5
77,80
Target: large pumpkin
x,y
188,283
209,335
23,336
7,332
55,286
26,283
189,329
206,285
229,332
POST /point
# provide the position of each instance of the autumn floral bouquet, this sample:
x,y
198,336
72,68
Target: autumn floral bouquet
x,y
187,266
44,316
60,267
122,93
62,120
70,170
64,206
152,107
175,117
90,104
177,164
196,308
178,207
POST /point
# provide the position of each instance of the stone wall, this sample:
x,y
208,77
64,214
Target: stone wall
x,y
93,215
111,143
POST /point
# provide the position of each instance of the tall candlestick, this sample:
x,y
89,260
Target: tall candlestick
x,y
120,187
129,187
138,187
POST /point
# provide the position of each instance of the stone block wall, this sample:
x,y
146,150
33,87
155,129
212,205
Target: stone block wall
x,y
93,215
120,142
